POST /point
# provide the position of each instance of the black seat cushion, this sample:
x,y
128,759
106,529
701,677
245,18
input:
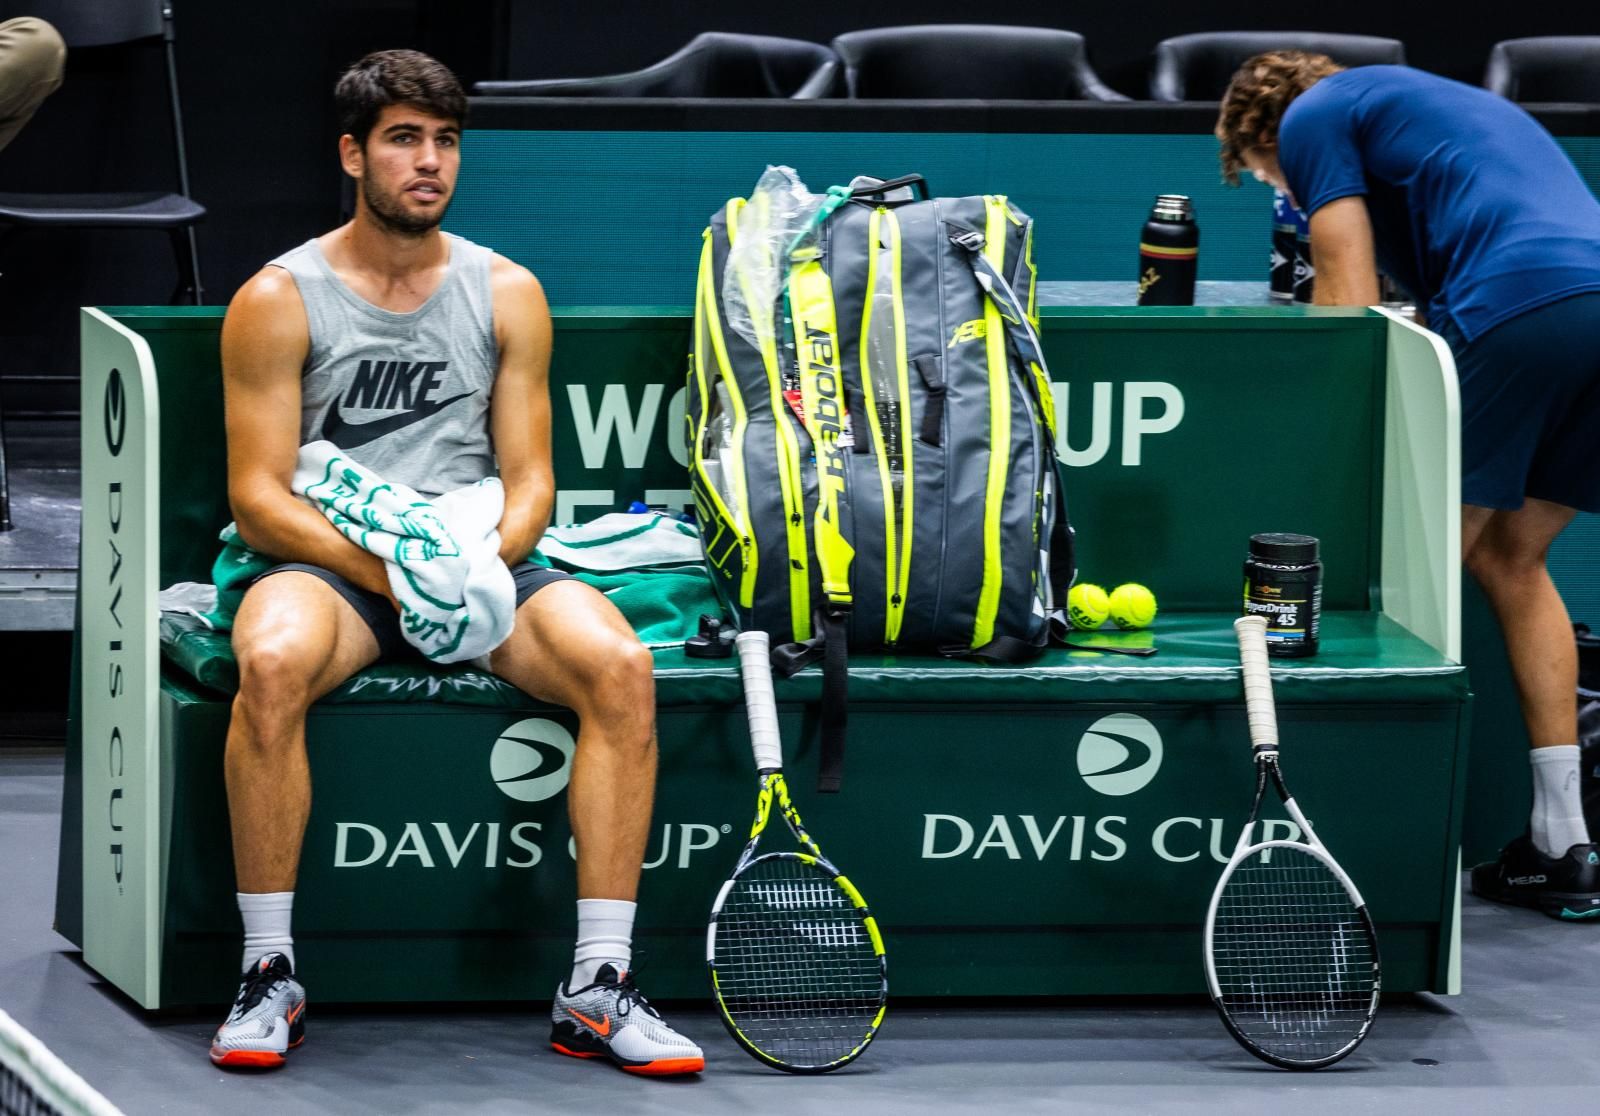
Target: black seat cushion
x,y
969,61
1199,67
1555,68
100,211
713,64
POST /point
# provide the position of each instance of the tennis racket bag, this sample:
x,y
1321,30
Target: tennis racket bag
x,y
872,430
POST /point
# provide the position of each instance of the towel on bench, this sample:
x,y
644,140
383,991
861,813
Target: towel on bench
x,y
647,564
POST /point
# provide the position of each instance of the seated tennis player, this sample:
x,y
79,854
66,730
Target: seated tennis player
x,y
298,337
1465,199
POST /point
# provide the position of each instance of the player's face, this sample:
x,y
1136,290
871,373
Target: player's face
x,y
408,167
1263,163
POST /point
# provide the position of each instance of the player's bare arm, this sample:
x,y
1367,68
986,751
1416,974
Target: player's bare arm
x,y
1344,255
264,343
519,409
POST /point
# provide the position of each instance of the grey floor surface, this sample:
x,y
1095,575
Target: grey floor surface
x,y
1522,1037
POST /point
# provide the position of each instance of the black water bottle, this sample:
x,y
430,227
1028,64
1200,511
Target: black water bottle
x,y
1287,224
1305,272
1169,253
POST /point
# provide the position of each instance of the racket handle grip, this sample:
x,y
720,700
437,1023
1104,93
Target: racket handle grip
x,y
1258,704
760,706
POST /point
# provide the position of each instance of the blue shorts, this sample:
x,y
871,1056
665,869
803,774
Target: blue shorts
x,y
1530,407
380,615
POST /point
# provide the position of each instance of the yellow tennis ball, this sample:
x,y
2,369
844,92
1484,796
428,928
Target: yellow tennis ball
x,y
1087,606
1132,606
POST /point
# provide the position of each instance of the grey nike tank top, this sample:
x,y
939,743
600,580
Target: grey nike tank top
x,y
407,395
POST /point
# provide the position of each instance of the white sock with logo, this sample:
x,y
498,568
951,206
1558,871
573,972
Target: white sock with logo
x,y
266,925
1557,823
605,933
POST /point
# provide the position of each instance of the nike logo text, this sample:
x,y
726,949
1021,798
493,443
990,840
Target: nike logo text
x,y
387,384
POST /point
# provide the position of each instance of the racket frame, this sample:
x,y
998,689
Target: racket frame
x,y
772,789
1264,742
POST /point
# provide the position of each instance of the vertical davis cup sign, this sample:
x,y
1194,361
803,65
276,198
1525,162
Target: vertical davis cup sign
x,y
118,656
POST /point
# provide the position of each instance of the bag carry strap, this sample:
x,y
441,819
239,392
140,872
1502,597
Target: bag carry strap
x,y
832,649
835,701
917,183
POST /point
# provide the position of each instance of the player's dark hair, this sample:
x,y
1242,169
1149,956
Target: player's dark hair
x,y
1261,91
396,77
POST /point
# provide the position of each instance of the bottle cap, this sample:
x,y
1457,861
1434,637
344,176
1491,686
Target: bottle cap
x,y
1285,548
1173,207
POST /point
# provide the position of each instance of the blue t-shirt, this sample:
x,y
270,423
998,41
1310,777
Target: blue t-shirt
x,y
1474,207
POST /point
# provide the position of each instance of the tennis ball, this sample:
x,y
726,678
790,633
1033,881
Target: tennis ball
x,y
1132,606
1087,606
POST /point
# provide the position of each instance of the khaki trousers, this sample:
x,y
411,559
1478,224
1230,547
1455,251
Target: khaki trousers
x,y
31,59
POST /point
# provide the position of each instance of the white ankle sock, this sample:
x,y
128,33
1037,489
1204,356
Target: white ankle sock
x,y
605,933
266,925
1557,823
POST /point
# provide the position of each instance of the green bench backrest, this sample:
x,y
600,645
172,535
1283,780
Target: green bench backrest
x,y
1185,431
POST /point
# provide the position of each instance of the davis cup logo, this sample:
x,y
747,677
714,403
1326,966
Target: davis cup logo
x,y
1119,754
115,412
532,760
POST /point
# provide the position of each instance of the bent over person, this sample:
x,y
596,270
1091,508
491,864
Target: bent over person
x,y
297,339
1464,199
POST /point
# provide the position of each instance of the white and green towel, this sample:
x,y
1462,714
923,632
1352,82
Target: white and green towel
x,y
457,598
622,541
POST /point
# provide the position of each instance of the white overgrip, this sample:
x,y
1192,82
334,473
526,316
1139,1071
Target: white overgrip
x,y
1259,709
760,706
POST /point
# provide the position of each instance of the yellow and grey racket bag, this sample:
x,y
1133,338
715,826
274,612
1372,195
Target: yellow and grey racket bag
x,y
877,470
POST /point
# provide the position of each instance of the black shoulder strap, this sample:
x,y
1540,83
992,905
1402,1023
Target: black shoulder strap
x,y
831,648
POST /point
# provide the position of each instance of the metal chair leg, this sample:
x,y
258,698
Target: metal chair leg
x,y
5,483
186,253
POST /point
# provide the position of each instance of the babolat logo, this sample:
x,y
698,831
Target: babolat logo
x,y
975,330
532,760
1119,754
828,416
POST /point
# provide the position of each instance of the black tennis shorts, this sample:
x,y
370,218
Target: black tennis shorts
x,y
1530,406
380,615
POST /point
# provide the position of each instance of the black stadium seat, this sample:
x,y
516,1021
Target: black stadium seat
x,y
1556,68
969,61
1199,67
84,26
713,64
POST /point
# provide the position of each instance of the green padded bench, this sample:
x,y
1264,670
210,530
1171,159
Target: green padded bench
x,y
1069,815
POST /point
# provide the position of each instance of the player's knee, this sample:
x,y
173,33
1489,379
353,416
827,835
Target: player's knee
x,y
274,677
1495,563
626,686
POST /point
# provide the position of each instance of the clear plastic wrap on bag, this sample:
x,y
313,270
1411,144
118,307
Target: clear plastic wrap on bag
x,y
776,219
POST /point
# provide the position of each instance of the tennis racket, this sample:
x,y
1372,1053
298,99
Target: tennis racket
x,y
1291,956
797,963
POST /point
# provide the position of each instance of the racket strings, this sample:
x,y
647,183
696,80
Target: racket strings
x,y
796,968
1294,961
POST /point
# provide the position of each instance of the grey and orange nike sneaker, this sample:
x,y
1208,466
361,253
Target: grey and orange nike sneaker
x,y
611,1019
268,1017
1565,887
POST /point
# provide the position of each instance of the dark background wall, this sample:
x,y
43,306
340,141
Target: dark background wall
x,y
256,80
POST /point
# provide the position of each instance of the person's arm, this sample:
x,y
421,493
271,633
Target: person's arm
x,y
1343,253
264,343
519,409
